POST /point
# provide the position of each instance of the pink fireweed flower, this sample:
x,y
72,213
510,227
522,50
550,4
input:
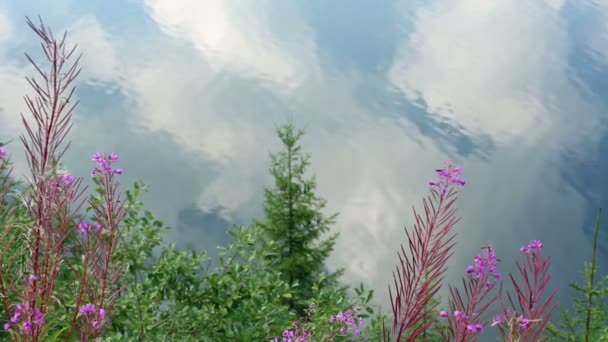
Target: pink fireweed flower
x,y
467,323
459,314
450,175
62,178
301,335
87,308
85,228
347,318
3,153
523,322
499,320
443,314
532,245
289,336
485,263
474,327
97,227
67,179
28,318
104,164
94,314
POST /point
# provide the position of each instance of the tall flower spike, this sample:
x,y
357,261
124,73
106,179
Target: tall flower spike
x,y
47,123
448,176
534,313
420,273
471,316
104,164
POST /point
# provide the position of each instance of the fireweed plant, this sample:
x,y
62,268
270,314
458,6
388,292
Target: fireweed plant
x,y
342,324
527,320
418,279
419,276
60,244
467,319
60,277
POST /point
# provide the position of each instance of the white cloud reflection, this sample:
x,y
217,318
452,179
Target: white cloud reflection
x,y
501,68
555,4
99,56
238,36
597,36
12,74
483,64
6,27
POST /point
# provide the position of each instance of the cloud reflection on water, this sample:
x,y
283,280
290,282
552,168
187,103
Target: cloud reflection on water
x,y
196,97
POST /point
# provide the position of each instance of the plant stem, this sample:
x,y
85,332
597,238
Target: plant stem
x,y
591,276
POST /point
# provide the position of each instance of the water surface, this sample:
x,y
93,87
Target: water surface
x,y
189,93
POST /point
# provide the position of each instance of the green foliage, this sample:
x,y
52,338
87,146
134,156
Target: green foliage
x,y
295,222
166,297
591,320
15,252
14,217
151,281
242,298
330,301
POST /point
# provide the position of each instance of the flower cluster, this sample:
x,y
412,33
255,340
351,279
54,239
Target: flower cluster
x,y
485,264
499,320
95,315
104,164
510,322
480,273
3,153
460,316
85,228
450,175
521,322
290,335
349,320
532,246
299,334
24,318
63,178
67,179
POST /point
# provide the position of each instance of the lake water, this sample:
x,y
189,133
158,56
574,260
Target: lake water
x,y
189,93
